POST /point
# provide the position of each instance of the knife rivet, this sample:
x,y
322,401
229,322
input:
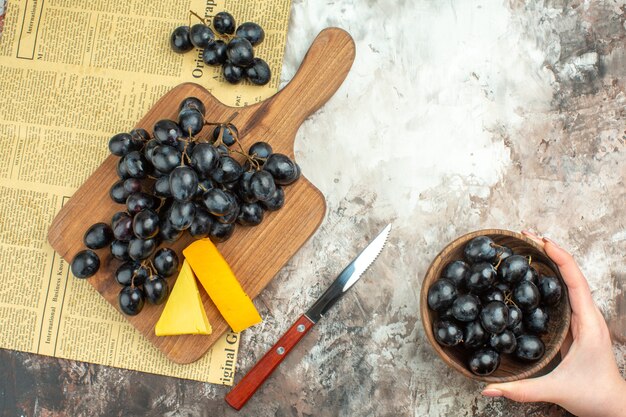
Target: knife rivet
x,y
300,328
280,350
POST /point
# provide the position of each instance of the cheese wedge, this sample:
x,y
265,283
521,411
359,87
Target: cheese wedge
x,y
183,312
221,284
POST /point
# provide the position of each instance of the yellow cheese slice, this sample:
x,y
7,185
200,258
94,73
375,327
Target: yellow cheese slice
x,y
220,283
183,313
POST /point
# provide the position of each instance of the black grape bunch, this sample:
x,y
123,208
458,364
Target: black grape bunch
x,y
224,45
174,182
493,302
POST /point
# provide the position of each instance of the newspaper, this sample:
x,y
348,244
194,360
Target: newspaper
x,y
73,73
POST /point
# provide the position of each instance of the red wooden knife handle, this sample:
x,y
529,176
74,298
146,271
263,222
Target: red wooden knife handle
x,y
246,388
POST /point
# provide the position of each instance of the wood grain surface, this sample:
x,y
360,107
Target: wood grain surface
x,y
255,254
510,369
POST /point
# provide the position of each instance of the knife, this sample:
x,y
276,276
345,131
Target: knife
x,y
248,385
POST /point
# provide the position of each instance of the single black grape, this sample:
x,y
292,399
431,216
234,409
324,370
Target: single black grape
x,y
132,185
201,225
167,232
167,132
229,134
484,362
260,150
215,53
181,214
146,224
166,262
503,342
140,249
140,136
131,300
262,185
119,250
457,272
161,187
117,216
221,232
258,72
536,320
494,316
85,264
550,289
252,32
121,144
139,201
441,294
276,202
183,183
98,236
191,122
193,103
232,73
137,165
201,35
515,317
224,23
513,269
148,150
531,275
131,273
180,41
243,190
204,158
466,307
447,332
250,214
165,158
227,170
121,170
156,289
526,295
282,168
474,335
123,228
529,348
481,277
230,217
480,249
118,193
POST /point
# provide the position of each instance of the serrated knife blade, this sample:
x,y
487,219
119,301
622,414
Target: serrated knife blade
x,y
248,385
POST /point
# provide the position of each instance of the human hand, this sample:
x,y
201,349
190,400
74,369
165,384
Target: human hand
x,y
587,381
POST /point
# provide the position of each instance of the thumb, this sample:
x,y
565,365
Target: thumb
x,y
524,391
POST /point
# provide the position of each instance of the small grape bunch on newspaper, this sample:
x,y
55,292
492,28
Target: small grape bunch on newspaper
x,y
224,45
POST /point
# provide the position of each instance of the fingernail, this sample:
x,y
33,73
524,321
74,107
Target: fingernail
x,y
530,233
548,240
492,392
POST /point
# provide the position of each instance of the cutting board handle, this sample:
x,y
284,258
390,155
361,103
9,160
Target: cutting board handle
x,y
323,70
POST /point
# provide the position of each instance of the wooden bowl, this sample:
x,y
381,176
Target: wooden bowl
x,y
510,369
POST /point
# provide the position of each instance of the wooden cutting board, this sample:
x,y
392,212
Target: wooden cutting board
x,y
255,254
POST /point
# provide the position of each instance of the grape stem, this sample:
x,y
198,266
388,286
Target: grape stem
x,y
200,18
223,36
